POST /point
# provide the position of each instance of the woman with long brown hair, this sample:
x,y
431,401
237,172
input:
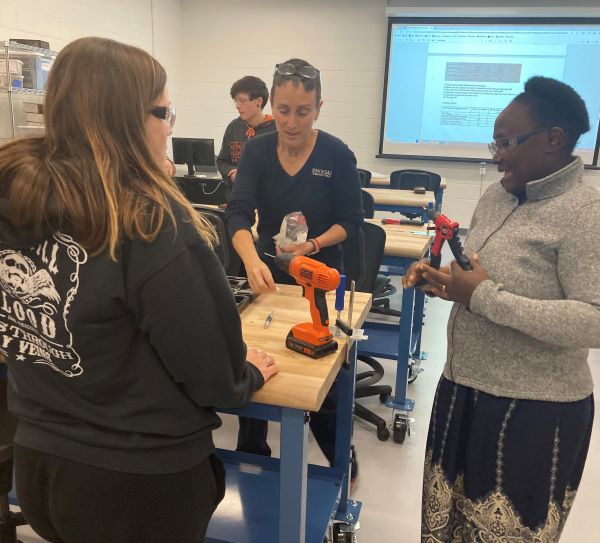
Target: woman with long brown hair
x,y
116,319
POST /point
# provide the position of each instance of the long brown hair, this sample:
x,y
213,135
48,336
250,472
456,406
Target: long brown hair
x,y
92,174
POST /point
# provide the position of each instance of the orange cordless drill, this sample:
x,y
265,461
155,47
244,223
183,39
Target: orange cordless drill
x,y
311,338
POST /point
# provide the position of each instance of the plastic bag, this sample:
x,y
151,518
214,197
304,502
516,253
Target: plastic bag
x,y
293,229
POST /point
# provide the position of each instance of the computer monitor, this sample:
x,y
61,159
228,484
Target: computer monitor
x,y
194,152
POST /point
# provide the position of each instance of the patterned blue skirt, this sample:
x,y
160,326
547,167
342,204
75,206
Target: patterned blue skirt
x,y
501,470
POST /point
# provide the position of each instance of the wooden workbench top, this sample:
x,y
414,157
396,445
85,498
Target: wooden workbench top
x,y
385,182
398,197
403,241
302,382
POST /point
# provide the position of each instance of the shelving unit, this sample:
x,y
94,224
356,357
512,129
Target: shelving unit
x,y
21,108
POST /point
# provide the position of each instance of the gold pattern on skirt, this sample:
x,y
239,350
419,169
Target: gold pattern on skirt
x,y
438,503
449,517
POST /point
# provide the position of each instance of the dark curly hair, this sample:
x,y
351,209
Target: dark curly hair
x,y
307,84
554,103
254,87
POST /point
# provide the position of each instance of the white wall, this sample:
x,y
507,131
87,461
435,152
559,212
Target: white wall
x,y
153,25
167,45
61,21
508,7
205,45
346,40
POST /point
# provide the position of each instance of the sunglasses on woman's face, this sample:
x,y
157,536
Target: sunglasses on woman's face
x,y
166,113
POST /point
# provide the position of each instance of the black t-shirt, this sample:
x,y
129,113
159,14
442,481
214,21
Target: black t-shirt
x,y
326,190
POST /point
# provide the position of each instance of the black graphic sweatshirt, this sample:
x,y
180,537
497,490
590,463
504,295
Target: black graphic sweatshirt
x,y
236,135
119,364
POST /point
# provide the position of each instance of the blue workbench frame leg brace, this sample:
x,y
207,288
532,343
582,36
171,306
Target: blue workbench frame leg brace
x,y
398,342
309,497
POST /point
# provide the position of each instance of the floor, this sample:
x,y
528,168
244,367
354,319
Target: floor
x,y
390,474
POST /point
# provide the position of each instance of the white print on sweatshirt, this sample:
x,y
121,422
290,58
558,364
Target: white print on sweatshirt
x,y
35,300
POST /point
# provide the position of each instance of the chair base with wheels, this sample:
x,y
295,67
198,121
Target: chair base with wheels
x,y
362,258
381,297
366,386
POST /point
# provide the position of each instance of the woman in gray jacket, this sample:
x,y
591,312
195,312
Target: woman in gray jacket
x,y
512,416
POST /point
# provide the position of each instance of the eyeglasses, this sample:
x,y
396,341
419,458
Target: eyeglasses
x,y
308,71
503,144
166,113
240,101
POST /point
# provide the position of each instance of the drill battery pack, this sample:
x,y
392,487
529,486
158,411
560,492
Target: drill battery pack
x,y
308,349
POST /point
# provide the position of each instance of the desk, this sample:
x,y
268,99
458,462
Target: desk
x,y
302,382
271,500
384,182
403,241
400,341
209,189
286,501
403,201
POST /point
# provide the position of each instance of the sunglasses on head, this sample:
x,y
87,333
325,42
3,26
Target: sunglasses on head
x,y
308,71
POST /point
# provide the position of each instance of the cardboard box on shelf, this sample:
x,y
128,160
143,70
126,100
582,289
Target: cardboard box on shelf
x,y
34,117
15,66
41,44
31,107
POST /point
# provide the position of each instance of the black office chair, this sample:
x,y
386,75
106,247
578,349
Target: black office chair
x,y
227,255
8,424
381,297
362,257
382,289
368,203
383,285
365,177
411,179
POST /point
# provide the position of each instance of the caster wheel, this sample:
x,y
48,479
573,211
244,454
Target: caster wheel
x,y
383,434
343,534
414,368
383,398
400,428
